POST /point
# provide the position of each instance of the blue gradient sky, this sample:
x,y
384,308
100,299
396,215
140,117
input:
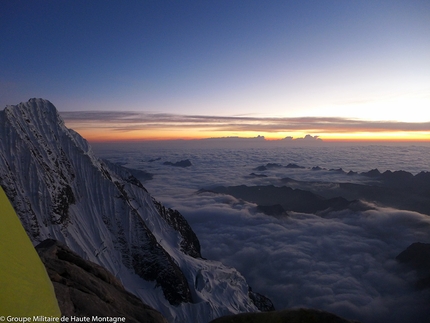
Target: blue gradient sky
x,y
366,60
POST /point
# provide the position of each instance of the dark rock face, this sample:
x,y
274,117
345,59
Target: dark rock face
x,y
285,316
182,163
84,288
263,303
190,244
417,257
152,262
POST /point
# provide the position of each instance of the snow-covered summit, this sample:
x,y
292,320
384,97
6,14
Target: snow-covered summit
x,y
60,190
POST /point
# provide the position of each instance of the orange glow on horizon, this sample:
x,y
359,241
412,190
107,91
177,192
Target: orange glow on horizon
x,y
378,136
106,135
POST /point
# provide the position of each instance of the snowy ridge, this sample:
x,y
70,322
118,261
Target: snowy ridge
x,y
62,191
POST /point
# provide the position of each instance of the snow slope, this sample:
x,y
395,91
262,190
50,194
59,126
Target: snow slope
x,y
60,190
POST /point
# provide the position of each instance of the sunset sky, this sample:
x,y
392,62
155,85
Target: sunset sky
x,y
197,69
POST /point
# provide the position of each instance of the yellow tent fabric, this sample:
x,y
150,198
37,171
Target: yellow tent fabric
x,y
25,288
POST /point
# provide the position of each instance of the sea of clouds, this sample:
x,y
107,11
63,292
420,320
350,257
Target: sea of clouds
x,y
343,262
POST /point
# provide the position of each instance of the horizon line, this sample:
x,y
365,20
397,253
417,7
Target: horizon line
x,y
261,139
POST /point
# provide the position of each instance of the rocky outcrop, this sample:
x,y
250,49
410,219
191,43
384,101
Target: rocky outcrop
x,y
84,288
263,303
190,244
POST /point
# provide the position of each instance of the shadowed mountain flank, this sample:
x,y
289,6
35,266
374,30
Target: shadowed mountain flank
x,y
398,189
273,200
84,288
417,257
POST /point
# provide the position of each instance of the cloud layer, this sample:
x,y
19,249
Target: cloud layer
x,y
343,263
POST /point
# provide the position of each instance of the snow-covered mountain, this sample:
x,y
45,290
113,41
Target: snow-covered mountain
x,y
60,190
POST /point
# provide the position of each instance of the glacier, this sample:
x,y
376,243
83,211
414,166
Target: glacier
x,y
61,190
